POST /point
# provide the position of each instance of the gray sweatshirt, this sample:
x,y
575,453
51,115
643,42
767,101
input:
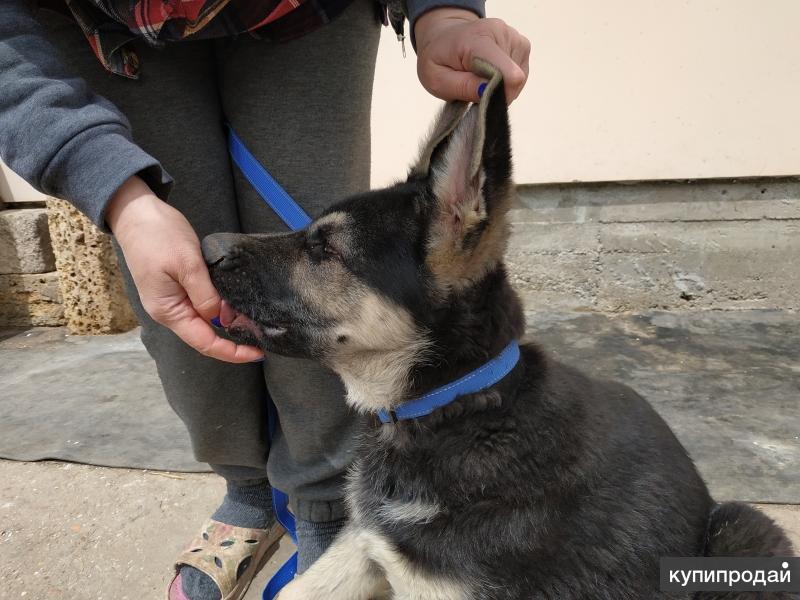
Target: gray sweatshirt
x,y
67,141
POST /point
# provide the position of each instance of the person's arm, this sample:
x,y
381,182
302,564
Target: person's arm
x,y
416,8
54,132
70,143
448,34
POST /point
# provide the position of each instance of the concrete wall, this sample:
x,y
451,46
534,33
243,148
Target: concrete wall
x,y
575,247
671,246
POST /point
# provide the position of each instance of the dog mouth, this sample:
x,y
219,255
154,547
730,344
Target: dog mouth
x,y
236,322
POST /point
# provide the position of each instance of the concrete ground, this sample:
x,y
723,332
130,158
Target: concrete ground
x,y
77,532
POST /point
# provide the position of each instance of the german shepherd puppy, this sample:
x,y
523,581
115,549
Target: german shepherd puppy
x,y
549,484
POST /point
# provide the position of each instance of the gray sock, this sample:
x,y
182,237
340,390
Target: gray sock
x,y
313,539
247,504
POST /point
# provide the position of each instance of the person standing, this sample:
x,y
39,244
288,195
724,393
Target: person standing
x,y
118,106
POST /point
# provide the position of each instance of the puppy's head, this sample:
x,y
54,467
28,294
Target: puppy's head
x,y
370,278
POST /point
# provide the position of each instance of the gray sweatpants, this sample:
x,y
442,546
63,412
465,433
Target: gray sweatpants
x,y
303,109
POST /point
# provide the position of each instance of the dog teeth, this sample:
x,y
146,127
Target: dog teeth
x,y
274,331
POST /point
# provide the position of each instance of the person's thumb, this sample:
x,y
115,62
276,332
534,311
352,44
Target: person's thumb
x,y
194,278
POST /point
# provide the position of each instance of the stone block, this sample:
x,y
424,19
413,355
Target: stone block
x,y
30,299
91,283
25,242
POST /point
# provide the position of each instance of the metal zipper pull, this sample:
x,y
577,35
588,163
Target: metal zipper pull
x,y
398,22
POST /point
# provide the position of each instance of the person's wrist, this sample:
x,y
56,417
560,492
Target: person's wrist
x,y
132,198
435,19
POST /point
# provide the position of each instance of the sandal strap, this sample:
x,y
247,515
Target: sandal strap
x,y
219,549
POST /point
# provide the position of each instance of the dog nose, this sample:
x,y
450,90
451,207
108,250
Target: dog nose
x,y
219,249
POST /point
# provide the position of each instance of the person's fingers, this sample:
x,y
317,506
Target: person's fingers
x,y
449,84
194,278
198,333
514,77
521,53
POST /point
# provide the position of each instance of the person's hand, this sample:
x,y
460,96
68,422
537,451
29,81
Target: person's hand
x,y
447,41
164,258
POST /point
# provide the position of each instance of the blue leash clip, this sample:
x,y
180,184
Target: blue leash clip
x,y
295,218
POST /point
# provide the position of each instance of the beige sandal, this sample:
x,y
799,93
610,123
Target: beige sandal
x,y
230,556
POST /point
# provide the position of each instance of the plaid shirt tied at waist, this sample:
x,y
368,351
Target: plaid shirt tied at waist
x,y
110,25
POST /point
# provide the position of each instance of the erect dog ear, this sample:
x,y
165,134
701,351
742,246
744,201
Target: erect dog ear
x,y
467,163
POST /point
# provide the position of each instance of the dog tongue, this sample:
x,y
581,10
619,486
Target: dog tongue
x,y
245,323
230,319
226,314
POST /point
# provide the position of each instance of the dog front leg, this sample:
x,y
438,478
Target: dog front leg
x,y
343,572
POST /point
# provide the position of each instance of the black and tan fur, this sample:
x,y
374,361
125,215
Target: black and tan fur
x,y
550,484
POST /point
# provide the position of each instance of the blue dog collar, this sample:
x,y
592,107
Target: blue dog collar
x,y
475,381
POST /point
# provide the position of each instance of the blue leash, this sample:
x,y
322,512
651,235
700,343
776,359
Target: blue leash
x,y
269,189
295,218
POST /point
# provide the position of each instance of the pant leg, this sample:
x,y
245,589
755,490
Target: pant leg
x,y
175,113
303,109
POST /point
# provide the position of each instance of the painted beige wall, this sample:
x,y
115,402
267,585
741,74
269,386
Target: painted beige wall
x,y
621,90
14,189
